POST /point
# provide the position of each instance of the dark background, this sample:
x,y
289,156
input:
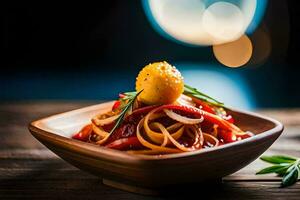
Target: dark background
x,y
86,51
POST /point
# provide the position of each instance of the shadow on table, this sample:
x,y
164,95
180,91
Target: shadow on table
x,y
56,179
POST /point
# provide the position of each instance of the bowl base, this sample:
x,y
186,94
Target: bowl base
x,y
160,191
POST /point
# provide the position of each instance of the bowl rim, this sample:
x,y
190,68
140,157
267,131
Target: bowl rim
x,y
118,156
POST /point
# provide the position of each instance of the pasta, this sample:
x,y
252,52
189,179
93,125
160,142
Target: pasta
x,y
190,121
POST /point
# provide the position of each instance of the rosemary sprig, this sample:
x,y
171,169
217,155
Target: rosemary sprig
x,y
126,104
284,166
190,91
127,97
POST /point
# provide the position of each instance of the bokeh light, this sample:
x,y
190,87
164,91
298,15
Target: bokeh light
x,y
223,21
221,24
234,54
262,46
202,22
230,88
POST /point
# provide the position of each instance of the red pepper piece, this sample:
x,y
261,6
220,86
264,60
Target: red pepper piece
x,y
125,144
207,126
229,118
116,105
143,110
221,143
247,135
124,131
209,109
204,106
187,109
139,113
84,133
108,127
226,136
198,113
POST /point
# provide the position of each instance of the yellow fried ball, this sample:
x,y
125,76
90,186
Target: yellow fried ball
x,y
161,83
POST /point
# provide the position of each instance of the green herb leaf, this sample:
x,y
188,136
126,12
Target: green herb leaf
x,y
291,177
131,97
282,172
277,159
273,169
285,166
128,96
190,91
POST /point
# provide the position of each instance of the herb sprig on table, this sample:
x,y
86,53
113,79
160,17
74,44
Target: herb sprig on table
x,y
284,166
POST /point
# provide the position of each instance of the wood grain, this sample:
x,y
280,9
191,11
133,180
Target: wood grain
x,y
29,171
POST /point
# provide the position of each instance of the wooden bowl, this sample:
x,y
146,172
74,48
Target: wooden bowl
x,y
148,173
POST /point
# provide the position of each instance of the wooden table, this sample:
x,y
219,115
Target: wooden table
x,y
29,170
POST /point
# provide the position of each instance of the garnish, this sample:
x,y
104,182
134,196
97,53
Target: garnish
x,y
284,166
190,91
162,84
126,104
162,116
126,97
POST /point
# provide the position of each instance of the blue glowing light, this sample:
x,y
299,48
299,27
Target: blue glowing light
x,y
260,9
228,87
